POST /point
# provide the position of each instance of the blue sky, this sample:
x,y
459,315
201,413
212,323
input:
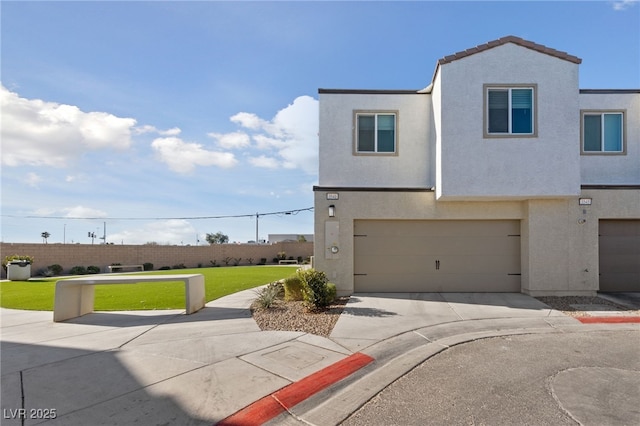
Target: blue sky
x,y
145,115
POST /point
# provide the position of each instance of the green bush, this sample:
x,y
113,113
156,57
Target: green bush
x,y
164,268
315,290
293,289
332,293
269,294
78,270
55,269
179,266
93,269
147,266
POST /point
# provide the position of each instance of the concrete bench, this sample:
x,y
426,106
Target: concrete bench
x,y
287,262
121,267
75,296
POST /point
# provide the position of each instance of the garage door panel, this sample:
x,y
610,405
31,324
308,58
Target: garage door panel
x,y
393,264
619,263
426,256
620,244
474,228
430,283
428,245
619,253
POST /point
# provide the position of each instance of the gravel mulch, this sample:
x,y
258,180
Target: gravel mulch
x,y
563,304
293,316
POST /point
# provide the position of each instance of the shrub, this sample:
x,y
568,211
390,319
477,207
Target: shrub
x,y
45,272
164,268
315,291
269,294
214,263
147,266
8,259
179,266
78,270
93,269
55,269
293,288
282,255
263,261
236,261
332,293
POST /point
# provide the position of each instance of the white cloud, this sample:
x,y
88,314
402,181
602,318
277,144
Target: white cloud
x,y
623,4
231,140
140,130
174,231
290,138
71,212
33,180
83,212
183,157
265,162
35,132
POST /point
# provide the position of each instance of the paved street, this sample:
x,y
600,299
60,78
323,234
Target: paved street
x,y
592,378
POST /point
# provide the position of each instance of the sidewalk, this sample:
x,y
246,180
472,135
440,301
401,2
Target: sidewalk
x,y
164,367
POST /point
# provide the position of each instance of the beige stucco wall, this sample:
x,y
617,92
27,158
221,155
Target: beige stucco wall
x,y
559,238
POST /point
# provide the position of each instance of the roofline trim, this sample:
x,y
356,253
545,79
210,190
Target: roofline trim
x,y
369,92
510,39
609,91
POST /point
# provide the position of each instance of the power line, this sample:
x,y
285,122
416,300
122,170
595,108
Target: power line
x,y
284,212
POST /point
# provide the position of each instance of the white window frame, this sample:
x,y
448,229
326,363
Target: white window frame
x,y
375,113
602,113
509,133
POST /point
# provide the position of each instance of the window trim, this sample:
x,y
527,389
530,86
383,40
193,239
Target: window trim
x,y
358,112
622,112
485,110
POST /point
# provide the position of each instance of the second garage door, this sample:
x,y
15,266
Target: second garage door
x,y
619,255
437,256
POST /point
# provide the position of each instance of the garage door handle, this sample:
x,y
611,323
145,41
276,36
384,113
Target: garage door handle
x,y
437,265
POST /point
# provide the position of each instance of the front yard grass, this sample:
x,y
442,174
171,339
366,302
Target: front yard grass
x,y
39,294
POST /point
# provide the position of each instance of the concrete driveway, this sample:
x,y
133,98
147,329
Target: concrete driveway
x,y
164,367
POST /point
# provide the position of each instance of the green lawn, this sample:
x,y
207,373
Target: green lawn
x,y
38,295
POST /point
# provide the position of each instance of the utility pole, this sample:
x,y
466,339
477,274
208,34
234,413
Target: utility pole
x,y
257,217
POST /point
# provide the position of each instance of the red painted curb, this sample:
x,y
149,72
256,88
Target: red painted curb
x,y
609,320
275,404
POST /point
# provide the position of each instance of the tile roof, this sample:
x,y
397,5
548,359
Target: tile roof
x,y
510,39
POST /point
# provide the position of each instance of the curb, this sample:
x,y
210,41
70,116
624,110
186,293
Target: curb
x,y
609,320
284,399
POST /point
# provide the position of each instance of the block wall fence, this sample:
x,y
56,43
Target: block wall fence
x,y
70,255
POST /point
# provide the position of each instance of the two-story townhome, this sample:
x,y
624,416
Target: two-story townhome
x,y
500,176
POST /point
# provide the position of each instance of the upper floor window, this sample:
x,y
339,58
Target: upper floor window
x,y
375,132
510,111
602,132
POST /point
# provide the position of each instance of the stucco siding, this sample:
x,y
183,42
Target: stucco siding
x,y
543,165
614,168
338,164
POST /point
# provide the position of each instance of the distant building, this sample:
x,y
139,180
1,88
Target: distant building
x,y
279,238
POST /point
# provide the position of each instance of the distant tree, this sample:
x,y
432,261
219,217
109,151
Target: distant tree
x,y
217,238
302,239
45,235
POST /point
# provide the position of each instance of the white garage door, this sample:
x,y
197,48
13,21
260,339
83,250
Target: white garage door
x,y
437,256
619,250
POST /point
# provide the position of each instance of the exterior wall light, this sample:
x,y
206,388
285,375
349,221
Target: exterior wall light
x,y
332,210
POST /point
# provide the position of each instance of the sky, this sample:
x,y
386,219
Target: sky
x,y
162,120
